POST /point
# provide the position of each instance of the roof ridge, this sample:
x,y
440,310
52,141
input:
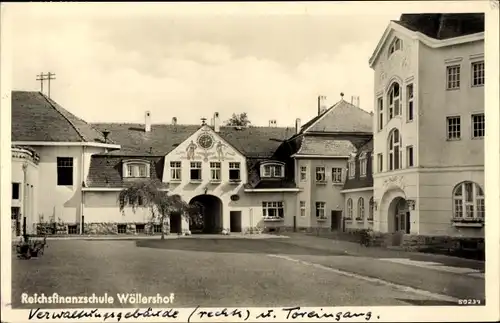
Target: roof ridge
x,y
358,108
58,111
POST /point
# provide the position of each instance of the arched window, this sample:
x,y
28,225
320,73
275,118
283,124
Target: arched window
x,y
468,201
394,101
361,209
349,209
371,209
395,152
272,169
397,44
136,168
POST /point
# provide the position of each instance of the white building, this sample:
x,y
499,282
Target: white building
x,y
415,167
429,126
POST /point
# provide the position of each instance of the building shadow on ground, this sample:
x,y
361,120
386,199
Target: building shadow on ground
x,y
267,246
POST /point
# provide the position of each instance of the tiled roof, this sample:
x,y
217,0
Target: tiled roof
x,y
342,117
35,117
163,138
106,171
443,26
312,145
362,181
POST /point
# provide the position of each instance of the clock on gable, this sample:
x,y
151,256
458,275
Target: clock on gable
x,y
205,141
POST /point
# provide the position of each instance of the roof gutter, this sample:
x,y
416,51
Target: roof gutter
x,y
318,156
62,143
110,189
269,190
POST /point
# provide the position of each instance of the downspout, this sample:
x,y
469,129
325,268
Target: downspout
x,y
82,174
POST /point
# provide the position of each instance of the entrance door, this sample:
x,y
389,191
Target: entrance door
x,y
16,224
235,221
336,216
175,223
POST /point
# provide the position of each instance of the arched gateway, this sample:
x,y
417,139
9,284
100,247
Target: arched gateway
x,y
211,211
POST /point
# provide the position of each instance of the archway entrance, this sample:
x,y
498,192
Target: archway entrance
x,y
399,216
211,214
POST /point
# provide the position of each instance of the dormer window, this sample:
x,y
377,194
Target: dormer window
x,y
273,170
397,44
136,169
351,165
362,164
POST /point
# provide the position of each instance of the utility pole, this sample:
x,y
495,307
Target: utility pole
x,y
45,77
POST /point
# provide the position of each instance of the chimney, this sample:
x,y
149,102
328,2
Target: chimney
x,y
147,122
174,121
105,133
272,123
216,122
321,104
297,125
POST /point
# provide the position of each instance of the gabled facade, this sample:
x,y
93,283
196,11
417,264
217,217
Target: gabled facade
x,y
246,177
429,126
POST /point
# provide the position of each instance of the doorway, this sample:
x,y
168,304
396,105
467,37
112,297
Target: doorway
x,y
210,208
336,220
176,222
235,221
16,224
402,217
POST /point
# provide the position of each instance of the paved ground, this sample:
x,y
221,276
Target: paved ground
x,y
241,272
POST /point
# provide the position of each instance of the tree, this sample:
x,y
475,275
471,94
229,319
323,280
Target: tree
x,y
160,203
240,120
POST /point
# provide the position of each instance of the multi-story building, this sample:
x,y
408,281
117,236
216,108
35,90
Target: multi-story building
x,y
429,127
415,167
246,177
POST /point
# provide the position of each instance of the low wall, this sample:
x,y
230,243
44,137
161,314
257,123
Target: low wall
x,y
103,228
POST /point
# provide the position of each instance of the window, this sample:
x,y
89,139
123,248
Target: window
x,y
273,210
122,228
157,228
337,175
380,162
361,209
468,201
175,170
371,209
478,125
72,229
15,191
137,170
303,173
302,208
65,171
273,170
352,168
453,77
349,209
139,200
380,108
409,156
215,171
15,212
394,98
320,174
140,228
397,44
395,152
234,171
320,210
478,73
453,128
409,102
196,171
362,164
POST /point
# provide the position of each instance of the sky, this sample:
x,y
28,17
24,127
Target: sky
x,y
114,62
